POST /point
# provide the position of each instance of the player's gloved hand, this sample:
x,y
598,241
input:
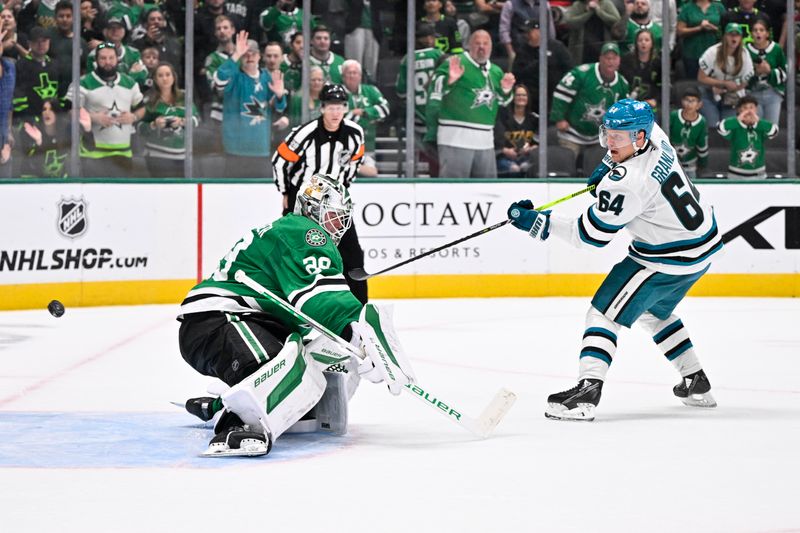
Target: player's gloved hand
x,y
384,359
523,216
596,176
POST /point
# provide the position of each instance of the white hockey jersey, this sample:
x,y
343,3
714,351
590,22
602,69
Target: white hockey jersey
x,y
674,231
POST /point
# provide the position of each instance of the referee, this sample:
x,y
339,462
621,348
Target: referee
x,y
330,145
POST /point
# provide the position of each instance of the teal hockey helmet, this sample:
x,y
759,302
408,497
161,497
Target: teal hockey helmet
x,y
628,115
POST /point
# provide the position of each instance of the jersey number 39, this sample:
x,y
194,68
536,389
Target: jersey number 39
x,y
315,265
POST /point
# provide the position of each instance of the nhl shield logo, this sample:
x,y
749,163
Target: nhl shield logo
x,y
72,217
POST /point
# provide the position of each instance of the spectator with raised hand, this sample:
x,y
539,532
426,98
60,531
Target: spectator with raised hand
x,y
582,97
642,67
157,35
699,27
206,29
129,60
725,71
113,100
45,142
15,44
768,85
163,126
747,133
589,23
366,106
515,135
466,92
322,56
249,94
92,24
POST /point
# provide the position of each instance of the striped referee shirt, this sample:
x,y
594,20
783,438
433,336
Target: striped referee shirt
x,y
311,149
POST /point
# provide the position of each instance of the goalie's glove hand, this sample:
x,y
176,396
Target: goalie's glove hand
x,y
379,365
523,216
596,176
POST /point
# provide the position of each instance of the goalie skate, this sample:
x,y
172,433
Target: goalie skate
x,y
577,403
694,391
235,439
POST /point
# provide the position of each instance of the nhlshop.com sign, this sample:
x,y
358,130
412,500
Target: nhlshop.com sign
x,y
95,232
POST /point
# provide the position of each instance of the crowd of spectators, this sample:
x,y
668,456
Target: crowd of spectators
x,y
476,85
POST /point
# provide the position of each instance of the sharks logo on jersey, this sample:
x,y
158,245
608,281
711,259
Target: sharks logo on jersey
x,y
254,110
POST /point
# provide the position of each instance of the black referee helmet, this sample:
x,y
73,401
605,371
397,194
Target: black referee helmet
x,y
333,92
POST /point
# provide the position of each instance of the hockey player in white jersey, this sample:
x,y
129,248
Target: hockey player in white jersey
x,y
642,188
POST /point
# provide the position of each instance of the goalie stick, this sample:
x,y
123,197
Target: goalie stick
x,y
359,274
481,426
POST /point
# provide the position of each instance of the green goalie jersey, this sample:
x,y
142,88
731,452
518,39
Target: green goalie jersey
x,y
581,98
747,146
294,258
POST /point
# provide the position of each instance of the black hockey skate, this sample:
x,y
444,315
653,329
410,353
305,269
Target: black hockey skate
x,y
204,407
577,403
694,390
235,439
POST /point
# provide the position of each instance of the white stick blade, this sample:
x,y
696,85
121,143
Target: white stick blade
x,y
494,413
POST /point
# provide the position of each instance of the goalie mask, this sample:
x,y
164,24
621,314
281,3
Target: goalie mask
x,y
327,203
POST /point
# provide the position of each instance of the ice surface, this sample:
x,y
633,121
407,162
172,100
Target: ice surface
x,y
89,441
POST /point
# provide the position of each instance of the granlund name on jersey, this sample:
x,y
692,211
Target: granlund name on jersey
x,y
673,229
295,259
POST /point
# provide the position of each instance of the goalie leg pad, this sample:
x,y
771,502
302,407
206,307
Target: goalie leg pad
x,y
280,392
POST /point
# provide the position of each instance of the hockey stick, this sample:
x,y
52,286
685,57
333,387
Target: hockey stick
x,y
481,426
359,274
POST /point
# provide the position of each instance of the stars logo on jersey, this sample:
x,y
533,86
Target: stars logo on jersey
x,y
483,96
113,112
47,88
255,111
682,150
747,156
595,113
315,237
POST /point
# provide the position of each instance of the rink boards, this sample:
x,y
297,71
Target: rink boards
x,y
130,243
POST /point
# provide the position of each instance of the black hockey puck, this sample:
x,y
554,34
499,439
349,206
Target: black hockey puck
x,y
56,308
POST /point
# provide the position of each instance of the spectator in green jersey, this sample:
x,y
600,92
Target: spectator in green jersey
x,y
747,133
688,133
163,125
768,85
699,28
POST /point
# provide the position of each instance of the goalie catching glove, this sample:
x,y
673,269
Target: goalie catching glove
x,y
384,359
